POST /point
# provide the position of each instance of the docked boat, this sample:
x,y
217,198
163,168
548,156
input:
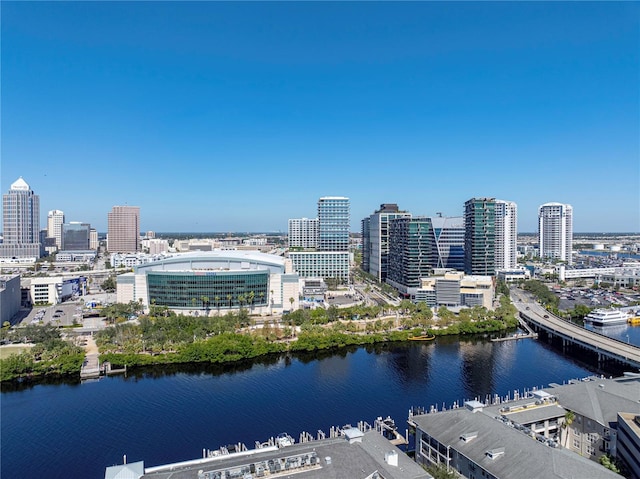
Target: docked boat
x,y
606,317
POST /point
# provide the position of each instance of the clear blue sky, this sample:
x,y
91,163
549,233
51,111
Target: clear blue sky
x,y
236,116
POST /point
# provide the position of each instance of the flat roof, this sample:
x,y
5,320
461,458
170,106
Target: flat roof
x,y
334,458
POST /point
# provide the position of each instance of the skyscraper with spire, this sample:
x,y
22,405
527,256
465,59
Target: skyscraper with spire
x,y
20,222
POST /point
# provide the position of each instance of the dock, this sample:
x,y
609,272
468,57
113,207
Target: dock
x,y
529,334
90,367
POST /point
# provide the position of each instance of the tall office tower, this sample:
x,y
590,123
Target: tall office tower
x,y
123,229
410,253
333,223
365,228
506,234
555,231
378,248
448,233
480,236
55,218
303,233
76,236
21,222
93,239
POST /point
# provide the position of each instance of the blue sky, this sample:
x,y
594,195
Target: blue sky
x,y
236,116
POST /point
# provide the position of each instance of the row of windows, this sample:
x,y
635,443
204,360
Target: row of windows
x,y
226,291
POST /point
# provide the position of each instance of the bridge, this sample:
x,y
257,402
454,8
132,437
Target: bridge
x,y
572,335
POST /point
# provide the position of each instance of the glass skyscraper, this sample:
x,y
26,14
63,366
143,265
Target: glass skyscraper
x,y
333,223
480,236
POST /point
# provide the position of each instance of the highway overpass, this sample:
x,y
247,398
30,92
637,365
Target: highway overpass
x,y
571,335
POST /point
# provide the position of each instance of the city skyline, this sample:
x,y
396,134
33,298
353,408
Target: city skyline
x,y
212,119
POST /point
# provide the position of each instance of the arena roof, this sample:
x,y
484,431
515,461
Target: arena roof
x,y
221,260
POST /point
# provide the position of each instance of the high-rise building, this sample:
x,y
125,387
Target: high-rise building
x,y
506,234
555,231
93,239
448,233
365,230
123,229
410,253
303,233
21,222
377,248
55,218
333,223
76,236
480,236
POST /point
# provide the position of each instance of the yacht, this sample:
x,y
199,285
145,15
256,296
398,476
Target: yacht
x,y
606,317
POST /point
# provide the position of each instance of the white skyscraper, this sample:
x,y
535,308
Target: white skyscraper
x,y
55,219
555,231
303,233
506,234
21,222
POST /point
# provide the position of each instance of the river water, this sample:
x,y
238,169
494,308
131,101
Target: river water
x,y
163,415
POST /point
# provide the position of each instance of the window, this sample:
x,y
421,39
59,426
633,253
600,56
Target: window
x,y
576,443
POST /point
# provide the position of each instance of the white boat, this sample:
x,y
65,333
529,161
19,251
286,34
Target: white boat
x,y
606,317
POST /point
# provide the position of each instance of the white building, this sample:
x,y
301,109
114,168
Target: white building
x,y
455,289
321,264
555,231
21,222
213,282
55,219
303,233
506,234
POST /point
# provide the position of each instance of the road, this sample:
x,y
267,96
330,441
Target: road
x,y
533,312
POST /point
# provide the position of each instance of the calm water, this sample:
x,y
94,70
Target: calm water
x,y
160,416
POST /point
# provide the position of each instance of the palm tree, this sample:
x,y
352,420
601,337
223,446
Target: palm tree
x,y
250,298
216,299
241,299
229,299
271,304
206,303
292,300
568,420
193,302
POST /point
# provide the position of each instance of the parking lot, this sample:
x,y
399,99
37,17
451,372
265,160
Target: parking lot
x,y
593,298
62,314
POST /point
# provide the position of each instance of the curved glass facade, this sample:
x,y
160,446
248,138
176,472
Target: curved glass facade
x,y
186,290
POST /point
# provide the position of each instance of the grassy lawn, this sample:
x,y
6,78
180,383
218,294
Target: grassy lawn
x,y
9,349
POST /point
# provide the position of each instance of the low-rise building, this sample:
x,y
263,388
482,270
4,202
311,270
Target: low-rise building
x,y
55,289
10,297
455,289
594,405
628,447
477,446
353,455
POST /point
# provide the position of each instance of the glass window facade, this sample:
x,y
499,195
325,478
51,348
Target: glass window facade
x,y
219,289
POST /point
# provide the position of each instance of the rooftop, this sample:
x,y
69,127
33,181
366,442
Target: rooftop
x,y
325,458
601,399
504,451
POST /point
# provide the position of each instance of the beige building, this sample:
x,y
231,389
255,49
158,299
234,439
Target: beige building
x,y
124,229
455,289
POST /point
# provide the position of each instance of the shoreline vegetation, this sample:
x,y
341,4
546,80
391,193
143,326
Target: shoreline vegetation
x,y
165,338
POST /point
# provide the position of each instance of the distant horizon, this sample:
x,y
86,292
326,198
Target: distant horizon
x,y
230,116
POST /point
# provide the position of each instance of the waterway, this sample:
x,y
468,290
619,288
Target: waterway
x,y
162,415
